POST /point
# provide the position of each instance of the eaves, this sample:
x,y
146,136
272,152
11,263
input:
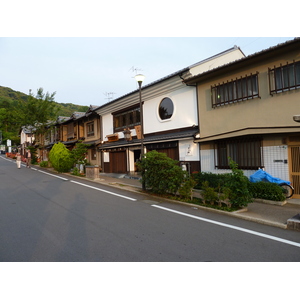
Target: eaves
x,y
152,139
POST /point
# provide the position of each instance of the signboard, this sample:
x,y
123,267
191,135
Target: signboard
x,y
138,131
8,143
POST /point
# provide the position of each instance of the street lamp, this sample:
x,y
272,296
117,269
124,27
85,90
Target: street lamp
x,y
140,78
296,118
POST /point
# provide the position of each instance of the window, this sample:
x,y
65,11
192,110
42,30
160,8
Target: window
x,y
93,154
235,90
126,119
246,152
166,109
284,78
70,131
90,129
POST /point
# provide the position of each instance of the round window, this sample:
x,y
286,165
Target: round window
x,y
166,108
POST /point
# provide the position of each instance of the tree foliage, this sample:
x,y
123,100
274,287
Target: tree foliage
x,y
38,109
79,153
60,158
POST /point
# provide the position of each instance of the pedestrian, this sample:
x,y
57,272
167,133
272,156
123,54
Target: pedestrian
x,y
28,158
18,158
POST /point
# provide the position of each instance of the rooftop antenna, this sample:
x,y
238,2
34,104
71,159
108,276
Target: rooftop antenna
x,y
133,69
109,96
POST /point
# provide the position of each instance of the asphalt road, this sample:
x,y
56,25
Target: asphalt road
x,y
46,217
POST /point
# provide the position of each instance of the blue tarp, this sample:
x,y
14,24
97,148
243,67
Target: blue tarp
x,y
262,175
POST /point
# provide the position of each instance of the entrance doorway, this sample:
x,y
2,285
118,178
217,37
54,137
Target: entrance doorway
x,y
294,168
136,157
118,162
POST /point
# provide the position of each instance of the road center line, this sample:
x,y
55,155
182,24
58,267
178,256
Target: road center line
x,y
231,226
104,191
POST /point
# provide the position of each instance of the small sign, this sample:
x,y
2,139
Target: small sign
x,y
113,137
138,131
8,143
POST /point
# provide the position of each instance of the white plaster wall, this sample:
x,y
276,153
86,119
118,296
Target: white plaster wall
x,y
188,150
185,111
107,123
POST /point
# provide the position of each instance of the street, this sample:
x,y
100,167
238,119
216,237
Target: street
x,y
48,217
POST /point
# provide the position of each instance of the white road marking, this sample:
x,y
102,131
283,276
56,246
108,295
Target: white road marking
x,y
104,191
51,174
231,226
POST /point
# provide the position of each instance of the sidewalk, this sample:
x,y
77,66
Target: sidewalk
x,y
264,213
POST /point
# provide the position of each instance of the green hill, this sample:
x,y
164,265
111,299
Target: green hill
x,y
9,119
8,95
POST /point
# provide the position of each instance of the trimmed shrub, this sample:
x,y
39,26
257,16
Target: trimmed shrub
x,y
61,158
186,189
266,190
160,173
214,180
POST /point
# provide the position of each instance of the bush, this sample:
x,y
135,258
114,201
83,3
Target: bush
x,y
266,190
160,173
60,158
214,180
209,193
234,185
76,172
186,189
44,164
238,185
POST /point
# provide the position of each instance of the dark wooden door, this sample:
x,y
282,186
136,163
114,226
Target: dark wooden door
x,y
118,162
171,152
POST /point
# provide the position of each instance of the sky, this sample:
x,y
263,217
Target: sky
x,y
95,70
89,52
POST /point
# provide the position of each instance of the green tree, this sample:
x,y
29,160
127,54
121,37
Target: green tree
x,y
60,158
38,109
9,123
79,152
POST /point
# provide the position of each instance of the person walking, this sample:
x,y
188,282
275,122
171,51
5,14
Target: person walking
x,y
28,158
18,158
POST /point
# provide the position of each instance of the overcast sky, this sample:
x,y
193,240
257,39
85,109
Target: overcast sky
x,y
85,50
85,70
